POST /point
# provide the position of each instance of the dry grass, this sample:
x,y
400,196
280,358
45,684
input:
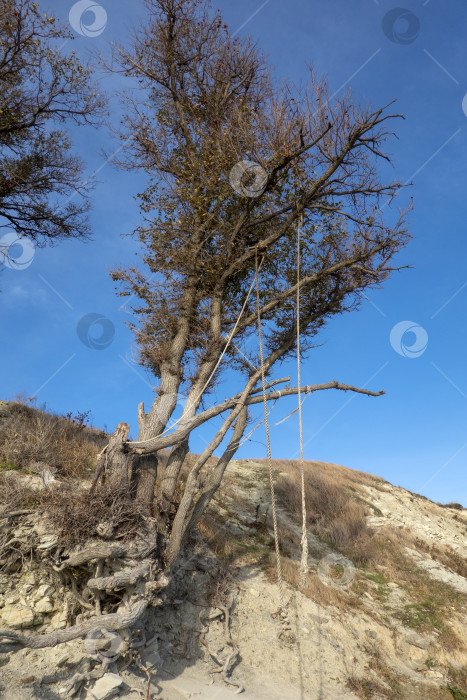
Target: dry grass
x,y
334,473
31,438
391,686
333,514
315,589
230,548
15,495
76,515
458,681
447,556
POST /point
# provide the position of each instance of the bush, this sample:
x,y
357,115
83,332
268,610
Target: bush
x,y
31,439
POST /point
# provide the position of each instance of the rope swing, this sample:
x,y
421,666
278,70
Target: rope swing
x,y
304,541
286,632
286,629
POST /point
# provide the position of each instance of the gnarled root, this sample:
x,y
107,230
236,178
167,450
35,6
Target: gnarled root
x,y
226,666
114,621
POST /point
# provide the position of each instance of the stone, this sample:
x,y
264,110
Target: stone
x,y
392,585
107,686
44,590
417,641
434,674
45,605
12,599
61,656
317,619
17,617
151,659
58,621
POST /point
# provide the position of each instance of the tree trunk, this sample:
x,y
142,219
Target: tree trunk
x,y
117,461
169,478
145,472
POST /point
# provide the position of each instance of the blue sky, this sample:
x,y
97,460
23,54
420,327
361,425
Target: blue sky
x,y
416,435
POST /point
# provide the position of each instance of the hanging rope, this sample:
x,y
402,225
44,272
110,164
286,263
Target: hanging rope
x,y
304,541
286,632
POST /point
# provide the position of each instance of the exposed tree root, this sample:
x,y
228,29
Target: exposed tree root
x,y
114,621
79,679
121,579
227,664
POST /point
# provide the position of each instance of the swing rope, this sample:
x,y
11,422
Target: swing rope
x,y
304,541
286,629
304,538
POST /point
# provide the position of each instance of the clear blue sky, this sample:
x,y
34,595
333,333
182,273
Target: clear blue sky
x,y
414,436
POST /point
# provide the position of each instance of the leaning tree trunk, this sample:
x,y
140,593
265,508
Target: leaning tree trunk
x,y
144,473
168,481
115,460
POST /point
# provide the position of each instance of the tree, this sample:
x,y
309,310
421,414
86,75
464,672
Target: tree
x,y
210,108
207,104
42,89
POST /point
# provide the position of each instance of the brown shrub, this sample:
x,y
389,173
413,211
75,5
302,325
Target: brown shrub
x,y
73,513
76,514
30,437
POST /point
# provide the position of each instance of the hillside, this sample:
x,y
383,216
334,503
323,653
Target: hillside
x,y
382,615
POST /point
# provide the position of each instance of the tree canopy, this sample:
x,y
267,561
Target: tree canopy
x,y
235,162
42,89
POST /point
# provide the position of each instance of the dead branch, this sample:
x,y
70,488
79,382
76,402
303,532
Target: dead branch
x,y
163,441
